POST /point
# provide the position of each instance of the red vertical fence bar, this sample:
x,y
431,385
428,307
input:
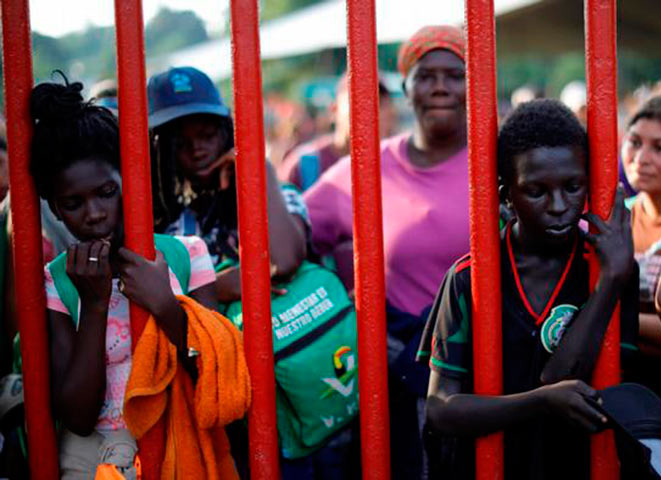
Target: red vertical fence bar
x,y
368,239
485,244
601,73
28,271
136,184
253,238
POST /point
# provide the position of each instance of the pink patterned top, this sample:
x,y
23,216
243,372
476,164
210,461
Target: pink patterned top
x,y
118,331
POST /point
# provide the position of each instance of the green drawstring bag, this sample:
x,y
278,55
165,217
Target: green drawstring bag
x,y
316,360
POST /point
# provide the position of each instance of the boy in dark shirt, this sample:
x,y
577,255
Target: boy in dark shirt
x,y
552,326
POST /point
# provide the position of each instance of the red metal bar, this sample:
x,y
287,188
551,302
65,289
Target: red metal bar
x,y
601,73
368,239
28,260
253,238
485,243
136,185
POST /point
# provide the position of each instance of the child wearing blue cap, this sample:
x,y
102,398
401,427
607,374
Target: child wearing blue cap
x,y
193,180
194,188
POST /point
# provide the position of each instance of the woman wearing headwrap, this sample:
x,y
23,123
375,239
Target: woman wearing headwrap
x,y
424,175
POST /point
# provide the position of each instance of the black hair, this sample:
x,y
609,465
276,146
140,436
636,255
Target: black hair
x,y
534,124
68,129
167,180
650,110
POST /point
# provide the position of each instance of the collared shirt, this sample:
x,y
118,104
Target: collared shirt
x,y
544,448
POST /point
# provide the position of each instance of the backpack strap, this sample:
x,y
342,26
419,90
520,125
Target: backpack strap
x,y
175,253
65,287
176,256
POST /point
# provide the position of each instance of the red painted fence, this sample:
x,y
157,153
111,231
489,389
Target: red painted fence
x,y
28,264
485,244
601,75
136,184
253,234
368,241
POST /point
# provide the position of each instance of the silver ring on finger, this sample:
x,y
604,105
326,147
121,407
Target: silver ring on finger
x,y
93,259
120,286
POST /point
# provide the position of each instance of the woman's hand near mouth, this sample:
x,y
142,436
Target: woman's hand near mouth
x,y
225,165
88,267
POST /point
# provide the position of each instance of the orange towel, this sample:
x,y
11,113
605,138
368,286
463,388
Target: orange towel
x,y
159,390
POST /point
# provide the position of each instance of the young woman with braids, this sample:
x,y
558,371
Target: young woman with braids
x,y
194,182
195,193
75,163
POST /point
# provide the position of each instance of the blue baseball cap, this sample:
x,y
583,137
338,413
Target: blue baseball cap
x,y
182,91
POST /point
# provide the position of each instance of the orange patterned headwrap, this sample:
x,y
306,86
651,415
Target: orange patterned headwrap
x,y
444,37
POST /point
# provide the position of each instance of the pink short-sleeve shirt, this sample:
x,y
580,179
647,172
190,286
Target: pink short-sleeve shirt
x,y
118,330
425,219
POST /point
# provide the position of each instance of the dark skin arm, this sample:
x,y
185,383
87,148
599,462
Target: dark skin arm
x,y
287,243
343,255
228,285
579,347
286,231
452,413
78,357
147,283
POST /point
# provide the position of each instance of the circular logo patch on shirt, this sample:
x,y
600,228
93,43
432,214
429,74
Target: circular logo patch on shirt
x,y
555,325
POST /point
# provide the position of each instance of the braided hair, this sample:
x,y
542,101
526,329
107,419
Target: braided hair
x,y
68,129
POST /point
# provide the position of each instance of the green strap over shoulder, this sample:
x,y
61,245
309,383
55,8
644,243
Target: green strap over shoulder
x,y
176,256
64,286
174,251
